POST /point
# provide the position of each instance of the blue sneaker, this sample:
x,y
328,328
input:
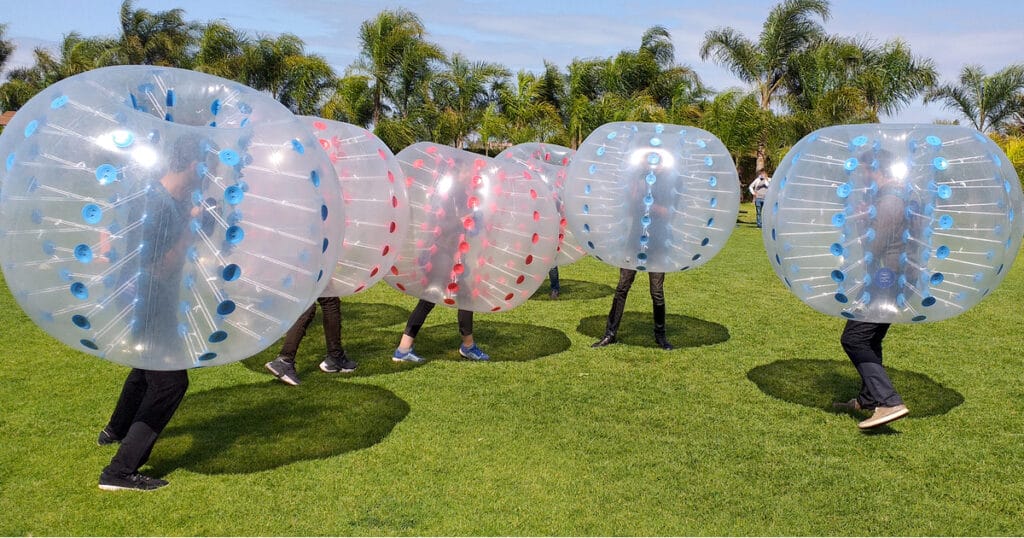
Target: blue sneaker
x,y
407,356
473,353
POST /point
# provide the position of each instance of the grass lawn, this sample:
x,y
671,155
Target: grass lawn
x,y
729,434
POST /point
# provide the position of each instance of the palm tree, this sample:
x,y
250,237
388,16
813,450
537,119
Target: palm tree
x,y
892,77
791,27
522,115
6,47
221,51
989,102
76,54
351,101
161,38
392,52
462,93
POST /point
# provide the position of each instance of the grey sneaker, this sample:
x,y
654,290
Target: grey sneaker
x,y
884,415
342,364
407,356
283,370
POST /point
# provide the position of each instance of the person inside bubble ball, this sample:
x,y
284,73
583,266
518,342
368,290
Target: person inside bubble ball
x,y
626,277
862,340
468,349
149,398
283,367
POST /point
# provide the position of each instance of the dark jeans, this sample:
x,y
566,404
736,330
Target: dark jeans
x,y
758,207
626,277
331,307
553,277
419,315
148,400
862,342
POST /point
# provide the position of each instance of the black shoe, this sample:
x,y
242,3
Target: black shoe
x,y
554,295
608,339
663,342
333,365
134,481
107,438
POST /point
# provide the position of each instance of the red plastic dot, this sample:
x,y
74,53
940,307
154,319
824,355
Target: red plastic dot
x,y
476,181
325,144
392,227
382,154
385,250
319,125
533,194
432,150
463,247
479,163
418,163
536,216
535,238
509,296
563,223
453,287
360,288
520,279
473,202
394,270
449,301
375,270
495,309
529,259
391,177
467,223
427,267
394,201
458,269
409,181
400,286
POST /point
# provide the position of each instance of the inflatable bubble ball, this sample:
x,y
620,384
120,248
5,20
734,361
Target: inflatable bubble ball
x,y
164,219
483,234
376,205
652,197
893,223
549,162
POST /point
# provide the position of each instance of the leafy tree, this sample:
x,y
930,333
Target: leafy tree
x,y
989,102
462,92
161,38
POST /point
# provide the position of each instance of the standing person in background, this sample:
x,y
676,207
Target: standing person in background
x,y
759,188
283,367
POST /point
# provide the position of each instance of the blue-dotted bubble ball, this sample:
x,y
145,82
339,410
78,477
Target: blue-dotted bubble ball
x,y
549,162
164,219
376,205
893,223
483,233
651,196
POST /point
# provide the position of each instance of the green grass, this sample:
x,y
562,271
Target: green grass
x,y
730,434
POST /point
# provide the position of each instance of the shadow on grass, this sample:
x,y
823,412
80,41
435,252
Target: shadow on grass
x,y
250,428
637,329
370,333
818,382
573,290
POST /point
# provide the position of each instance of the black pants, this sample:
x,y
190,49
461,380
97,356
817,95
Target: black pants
x,y
419,315
862,342
626,277
148,400
331,307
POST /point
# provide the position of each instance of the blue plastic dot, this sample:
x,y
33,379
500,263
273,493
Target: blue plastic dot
x,y
586,228
586,209
59,102
708,161
641,257
701,144
711,222
49,248
650,178
170,118
89,344
851,164
645,220
323,212
600,151
234,194
208,356
695,257
996,160
319,275
653,158
215,106
298,147
773,234
106,174
779,262
841,298
644,239
704,242
31,128
79,291
612,135
933,140
713,202
231,272
838,275
946,222
844,190
713,181
1006,186
648,200
323,245
836,249
859,141
838,219
83,253
170,99
592,169
848,315
928,301
81,321
123,139
655,141
217,336
940,164
659,128
919,318
244,108
10,162
314,177
590,244
587,189
936,279
91,213
229,157
225,307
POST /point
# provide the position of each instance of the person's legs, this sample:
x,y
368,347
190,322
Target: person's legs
x,y
556,287
469,349
132,392
163,393
330,307
296,333
758,207
626,277
658,300
404,352
862,342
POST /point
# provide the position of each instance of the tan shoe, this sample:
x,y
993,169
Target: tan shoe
x,y
884,415
852,405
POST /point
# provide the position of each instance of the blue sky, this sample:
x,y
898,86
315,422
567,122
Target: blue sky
x,y
521,34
